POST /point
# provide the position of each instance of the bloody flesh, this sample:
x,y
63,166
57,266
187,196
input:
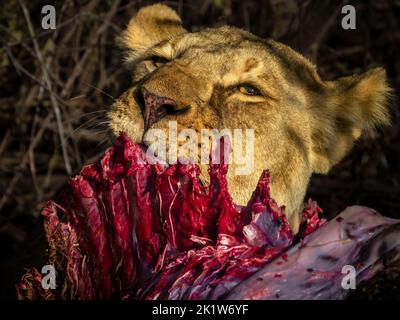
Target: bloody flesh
x,y
128,229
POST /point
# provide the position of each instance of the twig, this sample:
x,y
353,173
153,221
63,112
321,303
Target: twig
x,y
5,141
54,101
20,68
79,66
24,162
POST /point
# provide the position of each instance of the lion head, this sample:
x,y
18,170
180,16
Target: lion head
x,y
228,78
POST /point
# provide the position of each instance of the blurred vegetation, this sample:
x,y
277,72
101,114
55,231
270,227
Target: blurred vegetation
x,y
76,72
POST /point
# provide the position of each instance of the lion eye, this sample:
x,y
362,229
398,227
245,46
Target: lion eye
x,y
249,90
159,61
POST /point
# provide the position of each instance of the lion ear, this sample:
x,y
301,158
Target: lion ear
x,y
354,104
150,26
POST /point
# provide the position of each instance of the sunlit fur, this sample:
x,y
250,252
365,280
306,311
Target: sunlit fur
x,y
302,124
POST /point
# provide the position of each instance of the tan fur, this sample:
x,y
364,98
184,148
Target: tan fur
x,y
302,124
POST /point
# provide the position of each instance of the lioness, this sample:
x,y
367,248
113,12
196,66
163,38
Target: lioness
x,y
228,78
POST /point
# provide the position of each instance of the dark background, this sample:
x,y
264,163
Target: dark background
x,y
79,65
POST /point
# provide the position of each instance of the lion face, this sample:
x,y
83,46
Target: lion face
x,y
226,78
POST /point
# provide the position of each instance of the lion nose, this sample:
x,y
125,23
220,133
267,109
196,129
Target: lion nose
x,y
155,107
